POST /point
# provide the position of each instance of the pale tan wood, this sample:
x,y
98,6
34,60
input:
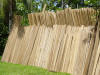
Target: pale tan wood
x,y
60,50
97,70
13,43
73,47
73,16
19,42
47,48
37,15
39,46
76,18
66,14
24,44
53,18
11,39
33,56
44,52
83,53
56,41
31,41
81,14
9,47
55,46
30,18
95,53
69,17
44,7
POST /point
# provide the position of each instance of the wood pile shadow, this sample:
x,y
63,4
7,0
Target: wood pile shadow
x,y
65,41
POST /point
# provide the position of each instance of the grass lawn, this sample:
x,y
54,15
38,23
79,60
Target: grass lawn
x,y
17,69
0,57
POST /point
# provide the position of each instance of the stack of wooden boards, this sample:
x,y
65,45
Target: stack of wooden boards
x,y
74,17
66,41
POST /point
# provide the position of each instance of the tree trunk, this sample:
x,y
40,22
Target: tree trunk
x,y
62,4
8,10
10,15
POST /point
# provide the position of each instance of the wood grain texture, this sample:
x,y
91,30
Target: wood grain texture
x,y
65,41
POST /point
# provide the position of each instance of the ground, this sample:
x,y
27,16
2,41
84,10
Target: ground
x,y
17,69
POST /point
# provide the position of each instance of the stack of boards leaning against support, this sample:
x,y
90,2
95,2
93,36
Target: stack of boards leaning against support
x,y
65,41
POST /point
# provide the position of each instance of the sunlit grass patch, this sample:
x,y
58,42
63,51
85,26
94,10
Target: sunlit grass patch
x,y
17,69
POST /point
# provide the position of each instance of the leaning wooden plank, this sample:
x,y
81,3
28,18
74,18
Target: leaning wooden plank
x,y
78,48
30,44
66,49
13,43
30,18
71,22
16,25
47,48
95,53
23,44
10,44
81,17
52,36
55,46
66,17
19,42
84,17
61,49
97,69
33,57
14,50
81,63
43,52
88,14
39,46
76,18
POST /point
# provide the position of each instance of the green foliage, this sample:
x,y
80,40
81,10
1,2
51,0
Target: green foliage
x,y
3,28
16,69
22,11
3,36
93,3
25,21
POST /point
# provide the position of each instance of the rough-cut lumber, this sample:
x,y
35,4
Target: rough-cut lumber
x,y
30,44
94,62
58,48
9,48
68,16
65,41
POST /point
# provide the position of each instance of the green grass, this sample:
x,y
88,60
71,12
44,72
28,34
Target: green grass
x,y
17,69
0,57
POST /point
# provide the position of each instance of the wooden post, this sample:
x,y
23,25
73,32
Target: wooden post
x,y
44,7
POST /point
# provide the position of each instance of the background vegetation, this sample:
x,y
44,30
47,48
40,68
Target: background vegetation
x,y
22,7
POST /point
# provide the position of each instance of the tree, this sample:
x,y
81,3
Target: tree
x,y
3,28
6,15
